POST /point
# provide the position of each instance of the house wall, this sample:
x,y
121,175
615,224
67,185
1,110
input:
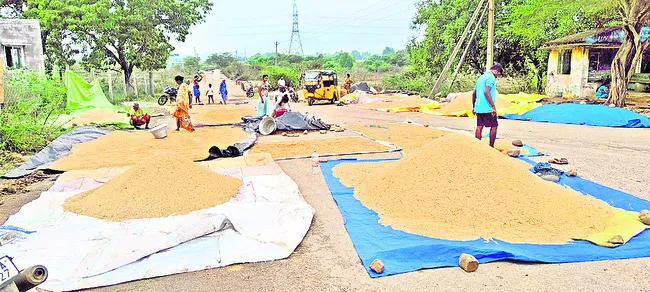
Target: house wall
x,y
25,33
575,84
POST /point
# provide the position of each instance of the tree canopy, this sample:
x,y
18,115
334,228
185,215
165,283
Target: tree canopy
x,y
107,33
522,29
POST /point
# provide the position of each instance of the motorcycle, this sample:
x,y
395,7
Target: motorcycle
x,y
170,94
13,280
293,95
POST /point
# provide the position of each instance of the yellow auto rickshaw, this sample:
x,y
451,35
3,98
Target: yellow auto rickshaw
x,y
321,85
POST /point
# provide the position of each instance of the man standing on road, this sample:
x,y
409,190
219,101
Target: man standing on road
x,y
483,103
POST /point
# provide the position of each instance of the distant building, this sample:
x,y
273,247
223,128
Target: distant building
x,y
20,44
578,63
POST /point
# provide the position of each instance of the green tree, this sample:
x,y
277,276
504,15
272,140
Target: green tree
x,y
191,64
345,60
388,51
523,27
126,34
356,55
221,61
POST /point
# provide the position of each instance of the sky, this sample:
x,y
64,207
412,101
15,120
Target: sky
x,y
248,27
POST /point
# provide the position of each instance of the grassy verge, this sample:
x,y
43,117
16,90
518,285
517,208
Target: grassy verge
x,y
32,103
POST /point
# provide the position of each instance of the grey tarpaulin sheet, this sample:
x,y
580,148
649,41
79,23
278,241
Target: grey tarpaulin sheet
x,y
290,121
60,147
246,143
362,86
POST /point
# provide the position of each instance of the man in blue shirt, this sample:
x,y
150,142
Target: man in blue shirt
x,y
603,90
483,103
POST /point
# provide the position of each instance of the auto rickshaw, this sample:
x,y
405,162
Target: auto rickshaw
x,y
321,85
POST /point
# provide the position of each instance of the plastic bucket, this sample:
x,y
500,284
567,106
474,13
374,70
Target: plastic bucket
x,y
267,126
160,131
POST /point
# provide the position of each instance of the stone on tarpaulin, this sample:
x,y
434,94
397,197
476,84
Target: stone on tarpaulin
x,y
377,266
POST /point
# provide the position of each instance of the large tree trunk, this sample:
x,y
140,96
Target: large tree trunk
x,y
624,65
635,15
128,70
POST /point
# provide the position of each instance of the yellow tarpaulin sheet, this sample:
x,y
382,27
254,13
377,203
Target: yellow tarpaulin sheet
x,y
423,108
628,226
522,97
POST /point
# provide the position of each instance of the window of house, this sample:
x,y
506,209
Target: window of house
x,y
564,63
15,57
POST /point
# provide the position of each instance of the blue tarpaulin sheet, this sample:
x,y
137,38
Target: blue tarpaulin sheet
x,y
584,114
403,252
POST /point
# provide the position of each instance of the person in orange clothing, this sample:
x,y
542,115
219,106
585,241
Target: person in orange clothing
x,y
183,106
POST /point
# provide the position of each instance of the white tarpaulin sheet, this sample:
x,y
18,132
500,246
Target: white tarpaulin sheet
x,y
266,221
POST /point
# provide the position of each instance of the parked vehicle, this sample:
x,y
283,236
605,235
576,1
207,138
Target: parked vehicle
x,y
321,85
170,94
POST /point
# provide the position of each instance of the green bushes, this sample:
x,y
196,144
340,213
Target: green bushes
x,y
275,73
27,119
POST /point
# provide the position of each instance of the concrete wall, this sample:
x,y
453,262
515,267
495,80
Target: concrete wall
x,y
27,34
575,84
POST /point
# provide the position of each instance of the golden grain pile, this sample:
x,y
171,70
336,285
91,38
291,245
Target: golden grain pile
x,y
464,103
220,114
120,148
158,186
459,188
286,149
407,136
99,115
394,101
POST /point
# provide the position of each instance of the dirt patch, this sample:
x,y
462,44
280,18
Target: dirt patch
x,y
158,186
120,148
21,185
287,149
458,188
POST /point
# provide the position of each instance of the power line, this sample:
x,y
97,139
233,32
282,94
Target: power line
x,y
351,14
330,28
367,22
295,32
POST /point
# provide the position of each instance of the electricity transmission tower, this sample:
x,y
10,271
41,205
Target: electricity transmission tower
x,y
296,43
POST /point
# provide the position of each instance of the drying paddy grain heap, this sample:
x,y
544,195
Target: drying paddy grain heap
x,y
221,114
120,148
407,136
158,186
462,105
99,115
287,149
459,188
394,101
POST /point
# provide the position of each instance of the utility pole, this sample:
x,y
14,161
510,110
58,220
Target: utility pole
x,y
490,40
276,53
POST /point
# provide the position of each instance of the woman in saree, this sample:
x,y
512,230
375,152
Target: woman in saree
x,y
183,106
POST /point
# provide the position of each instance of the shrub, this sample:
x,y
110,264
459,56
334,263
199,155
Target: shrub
x,y
27,119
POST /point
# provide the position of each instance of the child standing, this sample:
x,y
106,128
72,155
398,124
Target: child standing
x,y
210,94
197,91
